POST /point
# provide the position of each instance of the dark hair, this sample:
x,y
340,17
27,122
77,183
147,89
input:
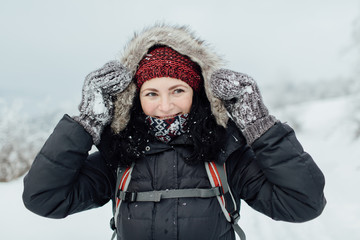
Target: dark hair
x,y
204,133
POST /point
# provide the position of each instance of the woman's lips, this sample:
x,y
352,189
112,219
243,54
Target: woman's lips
x,y
167,117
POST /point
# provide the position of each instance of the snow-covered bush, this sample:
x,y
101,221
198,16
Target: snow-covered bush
x,y
356,39
20,139
356,115
298,93
292,92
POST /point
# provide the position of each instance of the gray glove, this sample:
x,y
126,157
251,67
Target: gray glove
x,y
243,101
99,89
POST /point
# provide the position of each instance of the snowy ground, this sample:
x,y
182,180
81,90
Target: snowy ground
x,y
326,130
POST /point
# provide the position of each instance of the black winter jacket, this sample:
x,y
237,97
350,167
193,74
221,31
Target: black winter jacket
x,y
274,176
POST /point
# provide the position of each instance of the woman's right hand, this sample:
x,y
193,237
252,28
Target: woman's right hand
x,y
99,89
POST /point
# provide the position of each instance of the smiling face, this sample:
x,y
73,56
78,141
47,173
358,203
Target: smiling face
x,y
165,97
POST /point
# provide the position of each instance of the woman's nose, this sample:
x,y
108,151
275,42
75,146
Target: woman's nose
x,y
165,104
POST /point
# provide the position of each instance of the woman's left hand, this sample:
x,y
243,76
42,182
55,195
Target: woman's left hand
x,y
243,101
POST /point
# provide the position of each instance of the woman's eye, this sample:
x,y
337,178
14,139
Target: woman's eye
x,y
150,94
178,90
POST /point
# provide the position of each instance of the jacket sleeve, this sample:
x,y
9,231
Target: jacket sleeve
x,y
278,178
63,178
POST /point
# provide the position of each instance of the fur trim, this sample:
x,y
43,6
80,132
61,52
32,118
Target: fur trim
x,y
181,39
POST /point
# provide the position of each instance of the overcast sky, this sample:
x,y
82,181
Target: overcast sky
x,y
47,47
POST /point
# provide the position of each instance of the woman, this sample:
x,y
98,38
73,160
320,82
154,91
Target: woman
x,y
166,108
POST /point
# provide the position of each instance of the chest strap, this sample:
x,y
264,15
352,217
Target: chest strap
x,y
220,189
156,196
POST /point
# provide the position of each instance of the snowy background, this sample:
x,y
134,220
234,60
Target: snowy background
x,y
304,54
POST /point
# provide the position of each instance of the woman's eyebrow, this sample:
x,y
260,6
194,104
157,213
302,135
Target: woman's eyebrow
x,y
150,89
176,86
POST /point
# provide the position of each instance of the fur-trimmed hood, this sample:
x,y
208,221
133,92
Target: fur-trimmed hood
x,y
183,41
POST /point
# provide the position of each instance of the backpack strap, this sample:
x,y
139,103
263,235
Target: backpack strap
x,y
217,176
122,184
156,196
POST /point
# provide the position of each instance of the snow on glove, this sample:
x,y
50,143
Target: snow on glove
x,y
243,101
100,87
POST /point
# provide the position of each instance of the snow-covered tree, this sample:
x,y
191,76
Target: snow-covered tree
x,y
20,139
356,38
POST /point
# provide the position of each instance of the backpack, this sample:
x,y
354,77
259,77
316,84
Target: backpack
x,y
220,189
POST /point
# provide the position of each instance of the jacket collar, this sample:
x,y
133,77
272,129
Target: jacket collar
x,y
233,141
180,143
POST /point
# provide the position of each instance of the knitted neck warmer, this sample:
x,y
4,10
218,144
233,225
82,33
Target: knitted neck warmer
x,y
167,129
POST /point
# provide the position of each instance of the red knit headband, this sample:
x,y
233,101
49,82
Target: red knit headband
x,y
166,62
